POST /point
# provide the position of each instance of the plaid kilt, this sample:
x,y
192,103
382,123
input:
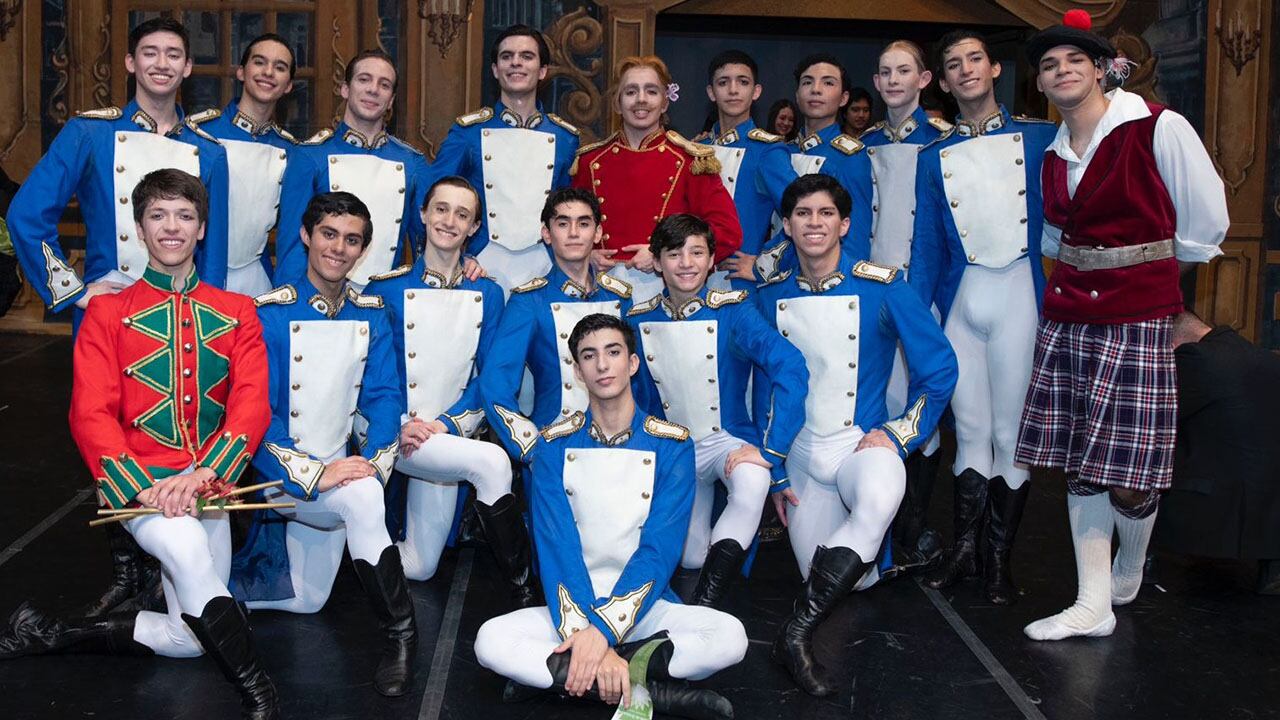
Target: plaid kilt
x,y
1102,404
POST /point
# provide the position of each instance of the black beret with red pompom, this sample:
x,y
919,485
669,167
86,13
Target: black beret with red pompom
x,y
1075,30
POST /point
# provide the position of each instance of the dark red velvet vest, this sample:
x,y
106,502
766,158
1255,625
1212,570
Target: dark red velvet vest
x,y
1121,200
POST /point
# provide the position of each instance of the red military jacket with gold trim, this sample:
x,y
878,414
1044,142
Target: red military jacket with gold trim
x,y
666,175
165,378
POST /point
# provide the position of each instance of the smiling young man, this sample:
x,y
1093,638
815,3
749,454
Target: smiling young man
x,y
257,151
514,153
360,157
331,355
168,402
535,327
609,496
444,326
755,166
699,347
976,256
1131,200
845,470
99,157
821,90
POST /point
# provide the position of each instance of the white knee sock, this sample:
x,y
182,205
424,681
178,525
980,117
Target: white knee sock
x,y
1126,570
1091,527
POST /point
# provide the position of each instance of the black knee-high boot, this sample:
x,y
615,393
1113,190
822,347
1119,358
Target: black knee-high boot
x,y
31,632
724,561
916,547
961,560
509,540
126,561
1006,515
832,575
385,586
224,633
669,696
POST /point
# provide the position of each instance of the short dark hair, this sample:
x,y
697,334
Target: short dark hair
x,y
270,37
806,185
673,230
379,54
544,50
159,24
731,57
859,93
568,195
454,181
337,203
599,321
954,37
822,57
169,184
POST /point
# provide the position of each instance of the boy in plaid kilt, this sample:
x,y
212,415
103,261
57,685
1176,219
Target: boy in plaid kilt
x,y
1102,400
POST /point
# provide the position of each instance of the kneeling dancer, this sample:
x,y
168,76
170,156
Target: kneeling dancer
x,y
610,496
169,396
846,465
330,352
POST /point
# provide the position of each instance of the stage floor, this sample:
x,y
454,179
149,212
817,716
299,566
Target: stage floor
x,y
1197,643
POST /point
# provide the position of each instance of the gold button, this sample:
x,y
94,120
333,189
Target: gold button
x,y
849,393
1093,294
786,334
644,495
1017,161
853,365
409,326
945,153
568,361
186,347
711,357
195,151
847,423
293,413
947,175
1057,290
852,336
283,156
488,157
1023,221
186,399
409,295
973,258
119,168
955,203
715,428
120,137
564,336
413,413
413,355
333,186
124,201
486,133
128,372
964,233
665,406
551,139
186,372
1017,137
297,327
333,160
295,386
297,358
782,306
124,268
488,186
124,237
710,329
571,457
595,166
551,167
401,191
399,166
649,358
568,386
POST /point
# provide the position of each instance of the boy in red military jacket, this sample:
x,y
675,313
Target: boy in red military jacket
x,y
169,398
642,174
1131,198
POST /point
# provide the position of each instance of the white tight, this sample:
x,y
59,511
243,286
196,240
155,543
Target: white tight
x,y
435,469
992,328
748,486
354,513
847,498
705,641
195,562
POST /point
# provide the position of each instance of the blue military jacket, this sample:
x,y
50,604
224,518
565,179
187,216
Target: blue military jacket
x,y
841,156
443,329
327,363
701,354
893,152
534,332
256,158
848,325
755,167
99,157
388,174
609,518
978,201
515,163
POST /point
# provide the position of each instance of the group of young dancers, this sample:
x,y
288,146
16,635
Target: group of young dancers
x,y
791,321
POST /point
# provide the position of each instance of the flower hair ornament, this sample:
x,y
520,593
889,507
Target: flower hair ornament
x,y
1117,68
673,92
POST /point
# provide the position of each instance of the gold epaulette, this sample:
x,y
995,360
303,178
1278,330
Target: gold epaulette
x,y
704,156
775,279
563,123
720,298
871,129
945,134
283,295
872,271
573,169
284,133
621,288
204,116
106,113
364,301
1026,118
645,306
847,144
534,284
392,273
940,124
764,136
566,426
471,118
665,429
319,137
